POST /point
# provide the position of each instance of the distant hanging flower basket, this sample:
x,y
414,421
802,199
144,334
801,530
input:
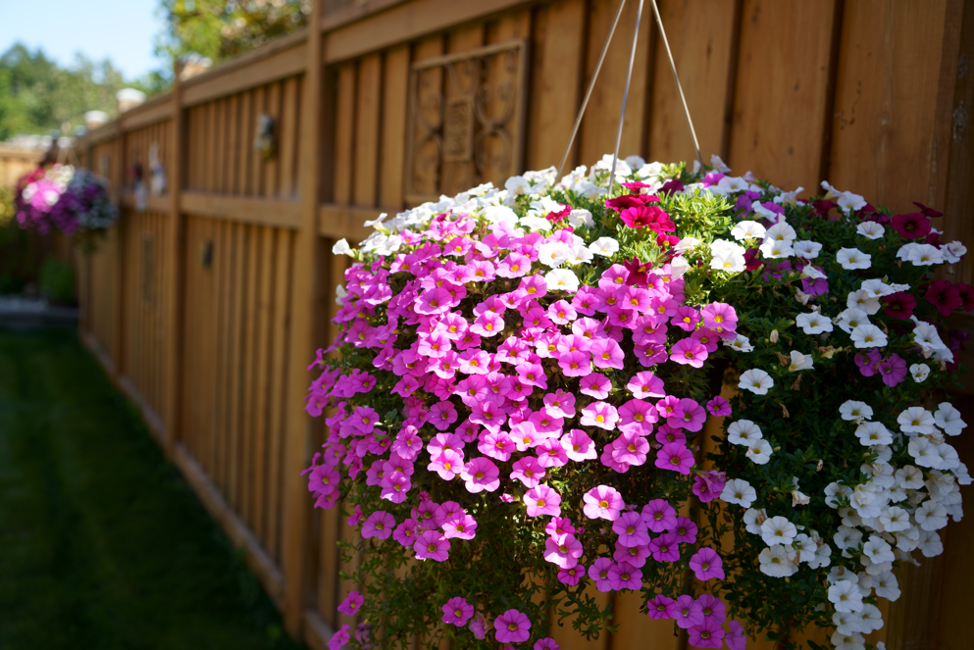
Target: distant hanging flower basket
x,y
73,201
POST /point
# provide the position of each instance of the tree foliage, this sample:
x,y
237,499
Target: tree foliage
x,y
221,29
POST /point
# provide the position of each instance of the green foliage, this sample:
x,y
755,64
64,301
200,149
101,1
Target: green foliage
x,y
56,280
221,29
38,96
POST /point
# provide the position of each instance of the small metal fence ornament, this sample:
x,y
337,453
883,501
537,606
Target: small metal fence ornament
x,y
265,142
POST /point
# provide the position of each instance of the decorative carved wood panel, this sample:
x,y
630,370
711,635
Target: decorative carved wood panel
x,y
466,116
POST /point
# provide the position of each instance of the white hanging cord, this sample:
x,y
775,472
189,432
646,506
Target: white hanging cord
x,y
625,96
676,77
591,86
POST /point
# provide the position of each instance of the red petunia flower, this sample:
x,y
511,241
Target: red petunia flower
x,y
911,226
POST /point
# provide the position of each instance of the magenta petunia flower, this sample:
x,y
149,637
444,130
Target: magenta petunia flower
x,y
543,500
911,226
625,576
405,533
712,608
560,404
606,353
899,305
551,453
528,470
634,555
379,524
488,324
945,296
719,317
599,572
659,607
892,370
690,416
339,638
675,457
719,407
686,611
478,626
496,444
631,529
480,474
431,545
665,548
646,384
563,550
575,364
461,526
659,516
547,644
595,385
442,415
571,576
578,445
353,601
447,464
457,611
603,502
709,485
512,627
686,318
514,265
706,564
532,287
689,352
637,416
736,639
601,415
707,634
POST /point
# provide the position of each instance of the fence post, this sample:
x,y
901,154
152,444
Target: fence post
x,y
175,265
117,343
302,345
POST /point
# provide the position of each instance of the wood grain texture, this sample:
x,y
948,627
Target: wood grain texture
x,y
393,139
368,107
781,87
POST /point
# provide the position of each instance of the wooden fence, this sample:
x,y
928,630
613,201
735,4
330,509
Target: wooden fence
x,y
207,303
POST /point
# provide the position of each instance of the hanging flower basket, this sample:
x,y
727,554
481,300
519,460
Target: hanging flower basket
x,y
517,401
61,197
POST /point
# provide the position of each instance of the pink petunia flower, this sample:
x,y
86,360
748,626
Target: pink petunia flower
x,y
447,464
719,317
637,416
625,576
379,524
405,533
708,634
457,611
543,500
736,639
706,564
575,364
601,415
599,572
646,384
431,545
496,444
480,474
708,486
528,470
659,516
631,529
719,407
690,352
603,502
512,627
560,404
578,446
692,418
571,576
595,385
676,458
339,638
546,643
686,611
442,415
563,550
551,453
713,608
685,531
659,607
461,526
665,548
606,353
353,601
634,555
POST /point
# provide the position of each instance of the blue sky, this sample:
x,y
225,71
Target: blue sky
x,y
121,30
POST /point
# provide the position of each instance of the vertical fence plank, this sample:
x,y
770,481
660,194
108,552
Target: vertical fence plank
x,y
279,394
344,134
368,103
265,341
287,136
393,139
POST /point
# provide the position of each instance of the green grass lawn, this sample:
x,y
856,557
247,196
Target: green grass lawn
x,y
102,544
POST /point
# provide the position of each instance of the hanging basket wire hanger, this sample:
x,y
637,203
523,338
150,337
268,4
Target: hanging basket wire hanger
x,y
625,95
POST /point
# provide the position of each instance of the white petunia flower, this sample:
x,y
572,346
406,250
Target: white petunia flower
x,y
539,224
578,254
949,419
853,641
553,254
739,492
852,410
920,371
847,623
846,597
878,550
922,254
863,300
789,198
580,217
340,293
741,343
811,271
872,618
930,544
500,214
916,419
562,280
753,520
853,258
604,246
851,318
804,545
886,584
341,247
517,185
953,252
871,229
926,336
868,336
924,453
759,452
718,164
727,256
774,249
778,530
814,323
775,562
931,516
757,381
687,243
748,230
743,432
873,433
800,361
876,288
799,498
894,519
807,250
782,232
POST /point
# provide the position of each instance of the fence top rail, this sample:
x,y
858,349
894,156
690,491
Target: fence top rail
x,y
9,152
285,42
